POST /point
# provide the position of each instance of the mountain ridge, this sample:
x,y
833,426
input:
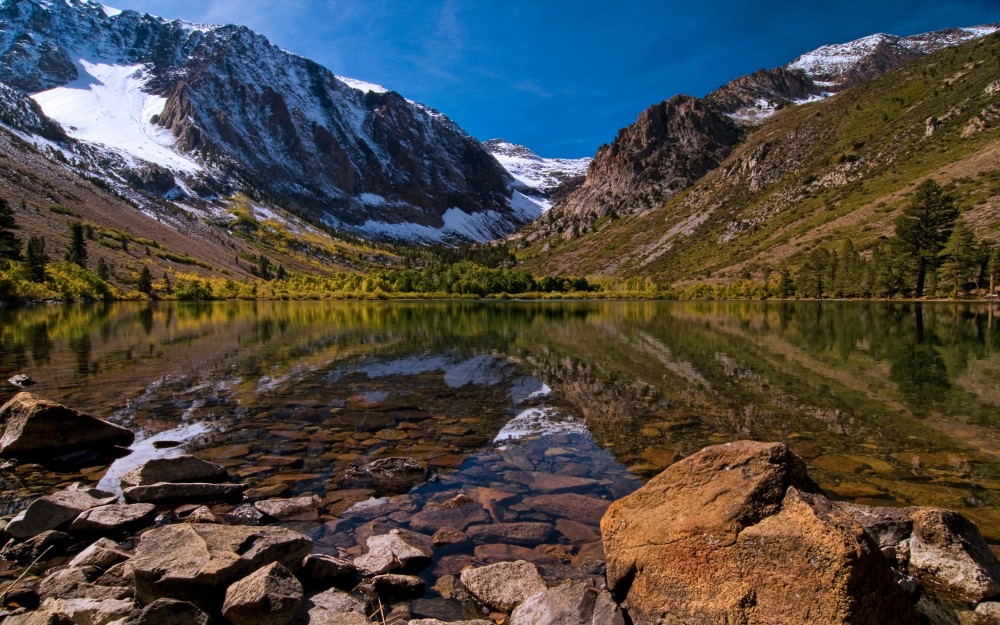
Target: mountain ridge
x,y
637,171
247,116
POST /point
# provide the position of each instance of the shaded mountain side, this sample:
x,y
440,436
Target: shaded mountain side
x,y
219,109
816,174
640,170
128,235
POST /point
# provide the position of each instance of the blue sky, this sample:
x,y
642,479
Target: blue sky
x,y
561,77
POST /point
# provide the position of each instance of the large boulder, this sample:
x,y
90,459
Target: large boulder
x,y
732,534
56,510
180,469
36,427
197,563
949,555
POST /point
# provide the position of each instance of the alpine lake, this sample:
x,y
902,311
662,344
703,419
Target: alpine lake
x,y
540,411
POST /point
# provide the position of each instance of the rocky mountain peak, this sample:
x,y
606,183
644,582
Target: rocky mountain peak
x,y
541,178
220,109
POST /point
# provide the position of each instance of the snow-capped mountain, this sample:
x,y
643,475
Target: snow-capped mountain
x,y
536,176
674,143
831,69
206,111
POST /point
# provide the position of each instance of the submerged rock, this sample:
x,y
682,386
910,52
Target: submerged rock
x,y
38,427
389,475
164,492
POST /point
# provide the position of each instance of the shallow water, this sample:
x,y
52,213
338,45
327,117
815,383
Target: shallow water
x,y
891,404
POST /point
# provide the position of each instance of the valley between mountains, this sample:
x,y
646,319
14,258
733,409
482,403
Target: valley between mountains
x,y
205,154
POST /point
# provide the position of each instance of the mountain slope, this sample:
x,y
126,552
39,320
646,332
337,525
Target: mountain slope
x,y
539,178
816,174
674,143
211,110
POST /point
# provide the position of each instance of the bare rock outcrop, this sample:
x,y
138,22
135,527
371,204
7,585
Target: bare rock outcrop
x,y
735,534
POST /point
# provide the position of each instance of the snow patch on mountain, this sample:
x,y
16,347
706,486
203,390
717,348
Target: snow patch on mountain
x,y
837,59
458,227
110,11
107,105
361,85
533,171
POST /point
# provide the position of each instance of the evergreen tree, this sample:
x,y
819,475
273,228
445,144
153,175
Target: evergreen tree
x,y
812,279
849,277
961,259
103,271
10,245
924,227
145,282
264,267
36,258
77,251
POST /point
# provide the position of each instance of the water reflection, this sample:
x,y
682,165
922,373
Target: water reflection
x,y
889,403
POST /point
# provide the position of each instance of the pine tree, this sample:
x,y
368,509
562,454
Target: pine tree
x,y
36,259
924,227
10,245
145,282
961,259
103,271
77,251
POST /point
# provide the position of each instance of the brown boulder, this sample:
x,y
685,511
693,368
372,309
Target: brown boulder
x,y
185,468
56,510
35,426
730,534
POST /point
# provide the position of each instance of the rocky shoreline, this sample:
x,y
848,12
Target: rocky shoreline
x,y
735,533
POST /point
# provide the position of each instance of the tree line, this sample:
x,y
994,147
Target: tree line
x,y
933,252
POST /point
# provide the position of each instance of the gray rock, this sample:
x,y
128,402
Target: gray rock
x,y
185,468
21,379
51,543
434,621
191,562
304,508
324,571
89,611
986,613
102,554
395,551
503,585
163,492
269,596
80,583
335,607
168,612
575,603
56,510
948,552
528,533
396,586
36,427
114,518
36,617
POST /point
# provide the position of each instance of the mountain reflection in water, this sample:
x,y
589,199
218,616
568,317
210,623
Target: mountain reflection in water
x,y
890,404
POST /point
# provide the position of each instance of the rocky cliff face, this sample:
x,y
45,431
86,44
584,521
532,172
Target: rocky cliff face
x,y
221,109
676,142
